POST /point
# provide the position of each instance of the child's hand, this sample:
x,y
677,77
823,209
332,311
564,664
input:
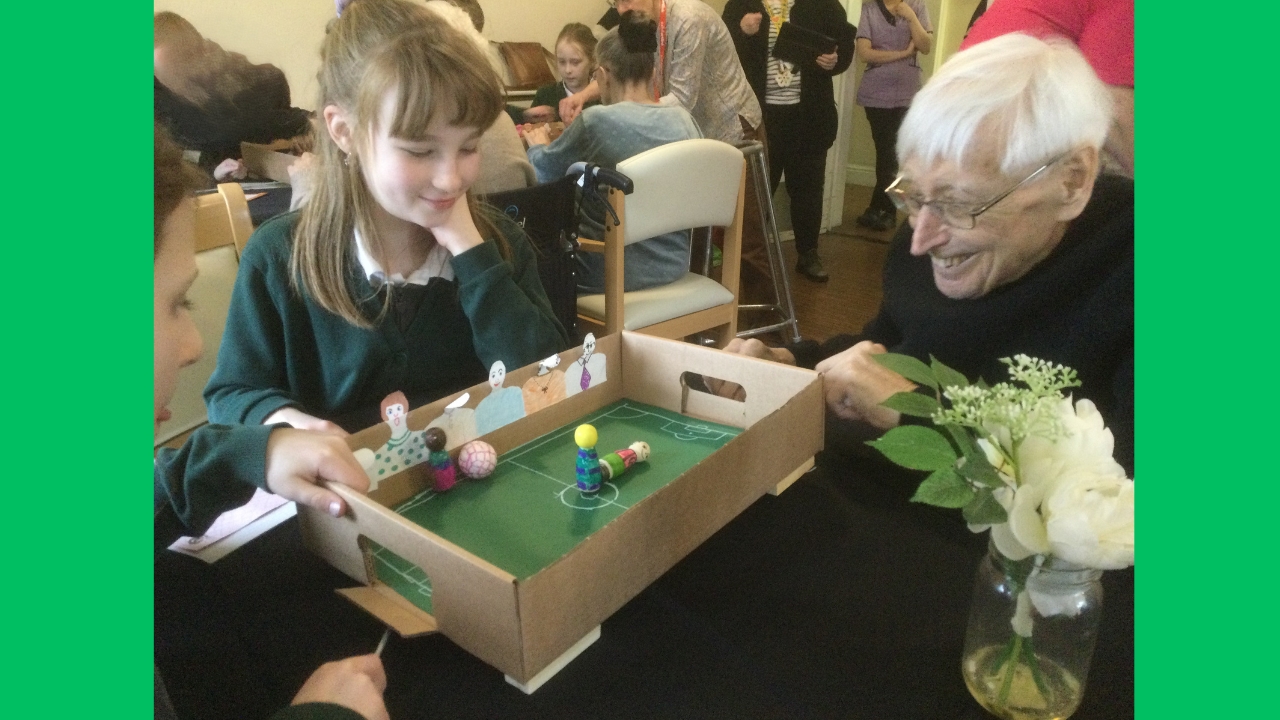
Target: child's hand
x,y
356,683
298,461
303,421
458,232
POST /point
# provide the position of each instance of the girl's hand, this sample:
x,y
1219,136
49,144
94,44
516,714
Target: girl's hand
x,y
828,61
230,169
303,421
904,11
911,49
750,23
458,232
541,113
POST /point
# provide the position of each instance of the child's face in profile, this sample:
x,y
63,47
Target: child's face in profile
x,y
420,181
177,341
575,70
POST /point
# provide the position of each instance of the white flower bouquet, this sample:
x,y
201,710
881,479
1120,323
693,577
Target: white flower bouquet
x,y
1021,459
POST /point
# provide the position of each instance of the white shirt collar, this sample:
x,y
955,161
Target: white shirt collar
x,y
436,265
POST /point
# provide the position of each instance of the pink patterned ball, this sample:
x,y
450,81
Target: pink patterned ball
x,y
477,459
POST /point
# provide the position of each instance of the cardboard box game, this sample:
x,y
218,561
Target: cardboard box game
x,y
522,567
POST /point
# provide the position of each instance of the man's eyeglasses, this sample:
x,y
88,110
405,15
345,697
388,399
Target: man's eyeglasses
x,y
961,216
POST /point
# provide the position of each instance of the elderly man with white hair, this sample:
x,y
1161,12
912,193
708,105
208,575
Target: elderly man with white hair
x,y
1016,244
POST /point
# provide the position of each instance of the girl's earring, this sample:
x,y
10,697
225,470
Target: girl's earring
x,y
346,160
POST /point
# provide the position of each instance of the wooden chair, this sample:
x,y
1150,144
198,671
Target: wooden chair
x,y
678,186
222,229
222,218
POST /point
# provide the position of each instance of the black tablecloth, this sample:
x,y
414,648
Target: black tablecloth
x,y
837,599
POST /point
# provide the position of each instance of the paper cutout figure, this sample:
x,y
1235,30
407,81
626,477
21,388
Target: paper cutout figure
x,y
477,459
544,389
620,461
441,465
588,371
504,405
457,422
405,448
395,412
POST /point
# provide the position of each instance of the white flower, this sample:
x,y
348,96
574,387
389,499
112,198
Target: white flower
x,y
1085,444
1089,519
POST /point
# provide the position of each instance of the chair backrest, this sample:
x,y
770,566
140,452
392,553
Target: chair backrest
x,y
217,257
681,185
222,218
549,215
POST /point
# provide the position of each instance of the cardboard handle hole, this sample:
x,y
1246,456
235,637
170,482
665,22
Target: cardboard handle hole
x,y
697,382
410,582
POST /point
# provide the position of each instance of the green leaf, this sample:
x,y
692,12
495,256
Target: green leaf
x,y
908,367
984,510
963,439
912,403
916,447
982,384
977,468
946,376
944,488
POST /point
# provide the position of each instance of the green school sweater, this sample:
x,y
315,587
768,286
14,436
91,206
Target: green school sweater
x,y
280,349
215,470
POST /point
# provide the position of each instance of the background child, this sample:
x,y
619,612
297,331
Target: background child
x,y
391,277
629,122
219,466
576,60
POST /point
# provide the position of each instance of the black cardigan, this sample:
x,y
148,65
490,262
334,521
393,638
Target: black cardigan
x,y
817,99
1075,308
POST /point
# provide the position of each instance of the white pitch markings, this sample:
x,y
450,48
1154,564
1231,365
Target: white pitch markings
x,y
567,485
423,588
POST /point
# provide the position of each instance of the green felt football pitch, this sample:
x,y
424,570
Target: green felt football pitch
x,y
529,512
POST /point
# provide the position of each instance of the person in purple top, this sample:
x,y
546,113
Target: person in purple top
x,y
890,35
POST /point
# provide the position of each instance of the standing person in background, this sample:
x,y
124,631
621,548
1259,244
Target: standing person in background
x,y
1103,31
799,104
890,34
576,60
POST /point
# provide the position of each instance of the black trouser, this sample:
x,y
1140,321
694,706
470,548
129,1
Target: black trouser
x,y
884,133
790,150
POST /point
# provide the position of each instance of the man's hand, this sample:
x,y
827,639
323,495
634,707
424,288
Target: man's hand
x,y
855,385
356,683
828,61
299,461
751,348
750,23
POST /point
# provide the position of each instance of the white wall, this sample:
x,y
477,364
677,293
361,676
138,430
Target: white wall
x,y
287,33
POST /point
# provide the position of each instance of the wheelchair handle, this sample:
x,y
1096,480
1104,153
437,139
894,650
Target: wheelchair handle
x,y
602,176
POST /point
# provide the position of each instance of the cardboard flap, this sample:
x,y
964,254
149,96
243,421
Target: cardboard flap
x,y
386,604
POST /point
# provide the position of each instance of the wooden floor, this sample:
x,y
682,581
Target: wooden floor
x,y
854,258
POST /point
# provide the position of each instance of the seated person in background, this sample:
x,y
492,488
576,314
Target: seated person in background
x,y
218,467
211,100
576,60
628,123
1015,243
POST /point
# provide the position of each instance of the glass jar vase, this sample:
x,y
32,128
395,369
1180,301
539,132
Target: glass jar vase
x,y
1032,629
